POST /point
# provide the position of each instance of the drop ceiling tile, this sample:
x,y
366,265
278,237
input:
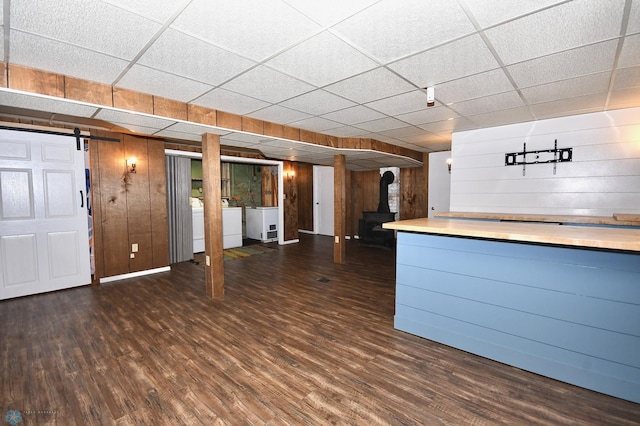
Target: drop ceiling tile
x,y
573,106
181,54
255,29
353,115
428,115
389,32
318,102
627,78
159,83
45,104
94,25
634,18
170,134
322,60
224,100
315,124
490,12
278,114
491,103
594,83
624,98
381,125
156,10
44,54
475,86
402,132
142,130
630,54
196,129
329,12
345,132
401,104
268,85
560,66
499,118
560,28
148,121
456,124
372,85
451,61
427,138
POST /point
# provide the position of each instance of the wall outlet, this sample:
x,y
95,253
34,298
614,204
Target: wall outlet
x,y
337,239
132,255
207,260
134,248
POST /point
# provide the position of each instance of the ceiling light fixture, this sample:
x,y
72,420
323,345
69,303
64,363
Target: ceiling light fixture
x,y
431,96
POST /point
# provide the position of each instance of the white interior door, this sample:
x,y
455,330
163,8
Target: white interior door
x,y
439,183
323,200
44,235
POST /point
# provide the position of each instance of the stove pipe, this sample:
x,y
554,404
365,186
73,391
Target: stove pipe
x,y
386,180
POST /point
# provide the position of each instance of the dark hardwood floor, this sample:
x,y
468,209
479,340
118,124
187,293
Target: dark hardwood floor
x,y
296,340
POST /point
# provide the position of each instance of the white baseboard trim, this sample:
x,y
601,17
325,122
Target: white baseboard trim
x,y
290,241
305,231
135,274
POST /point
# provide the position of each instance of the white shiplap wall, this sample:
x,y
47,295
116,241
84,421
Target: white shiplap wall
x,y
602,179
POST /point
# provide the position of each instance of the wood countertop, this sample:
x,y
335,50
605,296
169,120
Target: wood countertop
x,y
545,233
616,219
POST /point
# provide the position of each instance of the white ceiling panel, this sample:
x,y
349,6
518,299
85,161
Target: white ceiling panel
x,y
634,18
498,102
570,25
142,130
268,85
627,78
94,25
402,132
561,66
581,105
381,125
120,117
370,86
456,124
318,102
41,53
448,62
196,129
181,54
170,134
279,114
255,29
329,12
159,83
315,124
630,55
499,118
230,102
155,10
45,103
353,115
428,115
322,60
594,83
475,86
345,132
413,30
401,104
624,98
490,12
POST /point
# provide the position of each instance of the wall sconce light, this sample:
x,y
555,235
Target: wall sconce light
x,y
290,175
449,161
431,96
131,165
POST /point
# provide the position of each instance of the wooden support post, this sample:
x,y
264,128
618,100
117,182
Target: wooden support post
x,y
214,267
425,172
339,209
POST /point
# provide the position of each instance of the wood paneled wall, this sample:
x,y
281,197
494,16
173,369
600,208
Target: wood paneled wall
x,y
128,208
304,183
290,204
413,193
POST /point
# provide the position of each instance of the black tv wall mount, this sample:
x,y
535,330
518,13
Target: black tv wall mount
x,y
542,156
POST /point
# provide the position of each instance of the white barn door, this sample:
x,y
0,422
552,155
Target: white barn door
x,y
44,237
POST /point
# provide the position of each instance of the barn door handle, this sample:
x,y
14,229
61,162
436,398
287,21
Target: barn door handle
x,y
81,199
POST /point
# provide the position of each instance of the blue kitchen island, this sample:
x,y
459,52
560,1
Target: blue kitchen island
x,y
560,301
